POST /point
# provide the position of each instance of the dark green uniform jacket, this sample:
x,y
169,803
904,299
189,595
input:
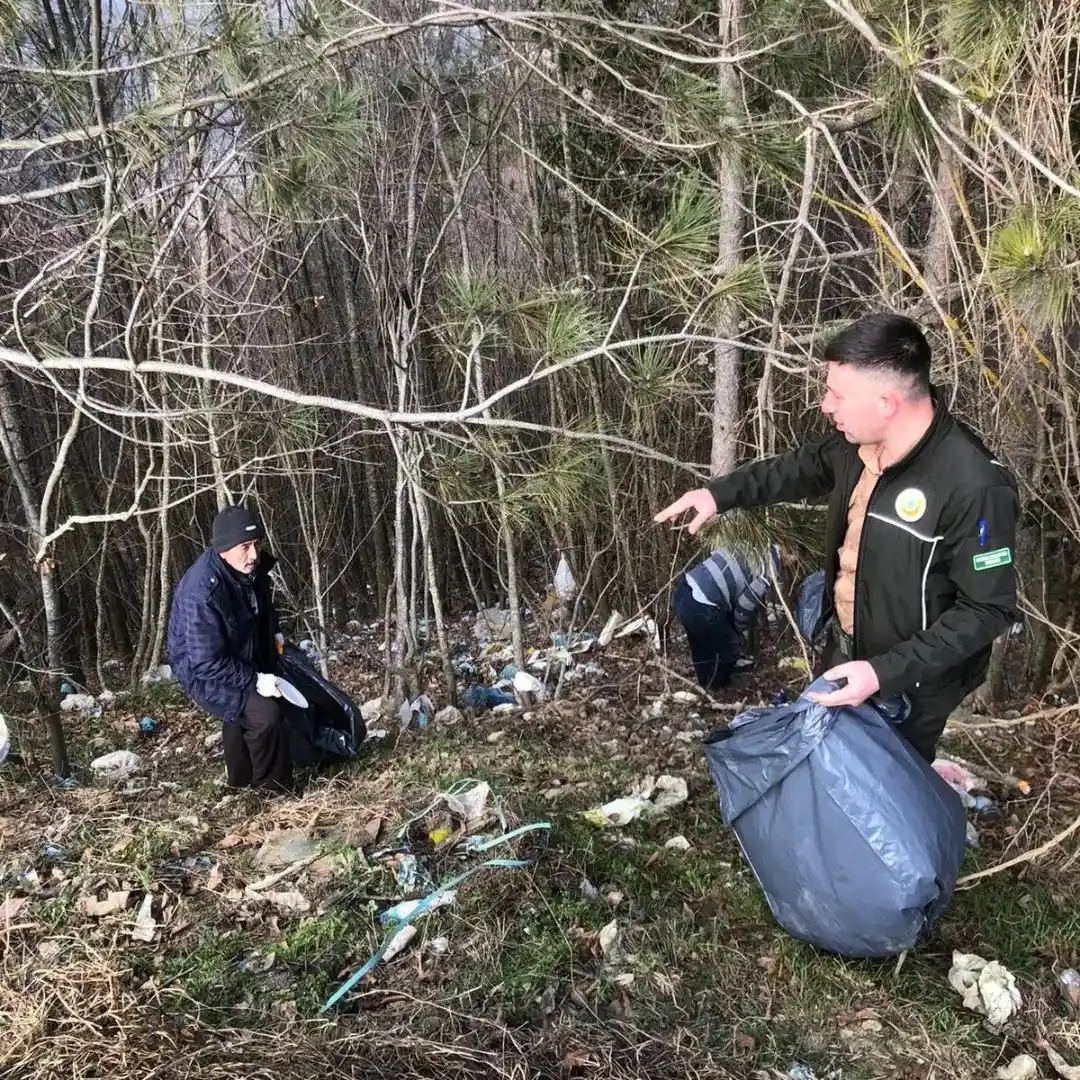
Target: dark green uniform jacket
x,y
935,582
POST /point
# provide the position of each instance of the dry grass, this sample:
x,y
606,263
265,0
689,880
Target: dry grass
x,y
704,986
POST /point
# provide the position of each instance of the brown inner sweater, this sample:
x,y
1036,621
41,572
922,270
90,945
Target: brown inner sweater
x,y
844,589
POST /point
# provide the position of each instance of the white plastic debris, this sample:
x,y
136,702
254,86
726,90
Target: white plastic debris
x,y
371,710
987,987
118,765
685,697
565,585
492,624
1060,1065
609,935
449,715
609,629
1022,1067
78,703
470,805
145,925
162,673
650,798
399,941
524,683
678,843
5,740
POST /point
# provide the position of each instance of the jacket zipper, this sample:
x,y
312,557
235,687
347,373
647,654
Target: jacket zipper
x,y
859,556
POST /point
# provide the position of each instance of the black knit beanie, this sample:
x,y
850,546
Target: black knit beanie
x,y
235,525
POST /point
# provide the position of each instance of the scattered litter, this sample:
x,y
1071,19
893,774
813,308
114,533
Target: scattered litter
x,y
115,900
440,835
495,736
987,987
1068,984
961,780
399,941
145,926
643,624
408,873
678,843
290,902
565,586
449,715
794,663
147,724
669,791
257,962
617,813
10,908
409,909
492,624
283,848
161,674
116,766
214,739
524,683
439,946
1061,1067
484,697
463,665
1022,1067
685,697
374,734
614,898
798,1071
609,936
371,710
5,740
420,709
971,836
470,805
84,703
502,710
609,629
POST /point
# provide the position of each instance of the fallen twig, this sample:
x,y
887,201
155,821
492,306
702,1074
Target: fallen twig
x,y
1028,856
281,875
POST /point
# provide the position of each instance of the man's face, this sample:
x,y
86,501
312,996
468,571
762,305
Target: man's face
x,y
243,557
859,403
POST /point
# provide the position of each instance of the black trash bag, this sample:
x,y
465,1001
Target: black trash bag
x,y
808,611
854,839
331,727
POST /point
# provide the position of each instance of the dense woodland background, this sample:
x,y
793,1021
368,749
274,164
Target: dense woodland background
x,y
447,291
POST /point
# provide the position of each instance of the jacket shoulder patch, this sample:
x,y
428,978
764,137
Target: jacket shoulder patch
x,y
991,560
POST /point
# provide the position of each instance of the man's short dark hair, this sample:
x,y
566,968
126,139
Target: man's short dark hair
x,y
890,344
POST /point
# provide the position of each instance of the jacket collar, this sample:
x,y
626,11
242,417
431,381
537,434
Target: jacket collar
x,y
938,429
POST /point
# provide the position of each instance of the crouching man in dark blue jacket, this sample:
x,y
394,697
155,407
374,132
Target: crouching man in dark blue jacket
x,y
224,642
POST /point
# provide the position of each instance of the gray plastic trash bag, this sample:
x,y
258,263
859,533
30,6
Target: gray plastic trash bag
x,y
855,840
808,610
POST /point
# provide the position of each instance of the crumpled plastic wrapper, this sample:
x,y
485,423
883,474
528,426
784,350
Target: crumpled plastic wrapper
x,y
986,986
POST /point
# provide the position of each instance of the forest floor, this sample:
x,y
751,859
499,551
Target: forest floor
x,y
609,955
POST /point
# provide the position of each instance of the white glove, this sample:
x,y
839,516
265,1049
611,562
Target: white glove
x,y
266,685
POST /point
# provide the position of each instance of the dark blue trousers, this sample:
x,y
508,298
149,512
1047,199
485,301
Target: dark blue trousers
x,y
710,631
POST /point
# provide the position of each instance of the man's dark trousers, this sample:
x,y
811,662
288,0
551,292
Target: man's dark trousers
x,y
710,632
256,749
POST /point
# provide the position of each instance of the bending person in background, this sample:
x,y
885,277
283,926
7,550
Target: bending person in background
x,y
717,603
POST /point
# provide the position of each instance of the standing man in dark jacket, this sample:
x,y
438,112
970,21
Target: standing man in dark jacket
x,y
920,532
224,643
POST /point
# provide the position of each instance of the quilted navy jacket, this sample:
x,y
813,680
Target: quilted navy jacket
x,y
217,644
